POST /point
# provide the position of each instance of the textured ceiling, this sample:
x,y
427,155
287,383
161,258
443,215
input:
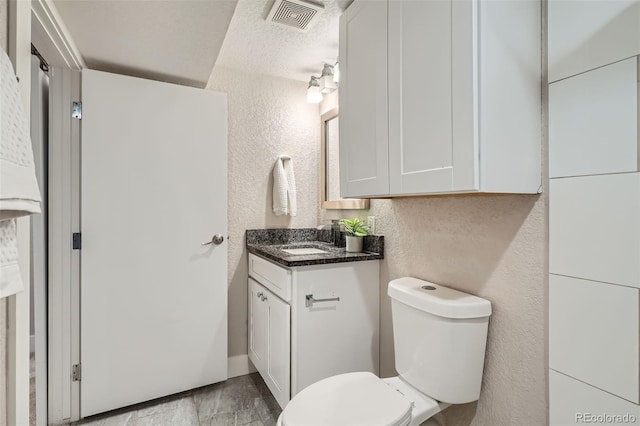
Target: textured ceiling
x,y
169,40
180,40
255,45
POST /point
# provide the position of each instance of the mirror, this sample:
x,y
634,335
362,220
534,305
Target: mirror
x,y
329,167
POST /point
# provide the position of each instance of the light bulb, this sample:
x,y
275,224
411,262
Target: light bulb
x,y
313,95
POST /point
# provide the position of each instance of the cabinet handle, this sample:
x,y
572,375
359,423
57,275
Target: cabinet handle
x,y
259,295
264,298
309,300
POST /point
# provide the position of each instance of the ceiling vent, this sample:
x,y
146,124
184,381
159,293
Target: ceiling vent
x,y
294,13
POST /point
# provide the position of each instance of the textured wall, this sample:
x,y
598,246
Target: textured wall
x,y
493,247
268,116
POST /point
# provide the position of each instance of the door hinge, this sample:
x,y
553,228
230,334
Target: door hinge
x,y
76,240
76,372
76,110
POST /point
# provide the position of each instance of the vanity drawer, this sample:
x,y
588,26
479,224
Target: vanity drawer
x,y
272,276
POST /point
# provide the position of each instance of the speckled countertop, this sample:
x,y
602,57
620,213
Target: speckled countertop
x,y
268,243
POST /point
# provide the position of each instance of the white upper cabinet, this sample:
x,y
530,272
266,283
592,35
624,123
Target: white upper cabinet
x,y
420,97
440,97
584,35
363,50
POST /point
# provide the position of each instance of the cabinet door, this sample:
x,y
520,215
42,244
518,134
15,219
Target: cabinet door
x,y
335,336
257,326
278,371
363,100
584,35
420,109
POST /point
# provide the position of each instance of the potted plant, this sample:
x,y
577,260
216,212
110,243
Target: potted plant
x,y
356,230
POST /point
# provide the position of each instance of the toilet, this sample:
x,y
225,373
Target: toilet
x,y
440,336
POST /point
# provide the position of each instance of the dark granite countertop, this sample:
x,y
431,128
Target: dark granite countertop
x,y
269,243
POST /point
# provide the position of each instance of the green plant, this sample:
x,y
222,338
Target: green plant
x,y
355,227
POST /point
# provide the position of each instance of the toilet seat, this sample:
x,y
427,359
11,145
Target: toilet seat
x,y
352,399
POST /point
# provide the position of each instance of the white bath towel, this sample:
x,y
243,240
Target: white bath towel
x,y
284,187
19,194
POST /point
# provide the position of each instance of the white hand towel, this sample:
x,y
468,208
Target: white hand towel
x,y
292,193
19,194
284,187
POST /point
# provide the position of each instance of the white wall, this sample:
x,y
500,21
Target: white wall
x,y
594,225
268,116
493,247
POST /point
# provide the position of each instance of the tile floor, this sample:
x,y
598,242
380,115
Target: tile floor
x,y
240,401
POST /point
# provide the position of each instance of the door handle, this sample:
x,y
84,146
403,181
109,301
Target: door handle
x,y
309,300
216,239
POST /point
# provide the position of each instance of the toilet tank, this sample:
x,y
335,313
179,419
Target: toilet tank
x,y
440,335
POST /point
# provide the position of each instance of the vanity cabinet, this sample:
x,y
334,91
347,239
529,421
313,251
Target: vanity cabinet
x,y
440,97
311,322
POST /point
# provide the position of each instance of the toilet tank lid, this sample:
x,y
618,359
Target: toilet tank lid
x,y
438,300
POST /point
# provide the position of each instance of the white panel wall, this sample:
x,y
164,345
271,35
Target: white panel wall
x,y
574,402
584,35
595,324
592,122
594,212
594,228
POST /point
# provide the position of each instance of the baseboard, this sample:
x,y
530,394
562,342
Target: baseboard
x,y
239,365
32,343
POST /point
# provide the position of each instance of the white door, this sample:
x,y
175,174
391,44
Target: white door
x,y
154,187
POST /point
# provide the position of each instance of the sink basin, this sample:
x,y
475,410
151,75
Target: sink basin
x,y
304,250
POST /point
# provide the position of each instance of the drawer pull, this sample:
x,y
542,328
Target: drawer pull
x,y
309,300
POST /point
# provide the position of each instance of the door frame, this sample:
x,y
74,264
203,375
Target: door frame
x,y
58,397
18,305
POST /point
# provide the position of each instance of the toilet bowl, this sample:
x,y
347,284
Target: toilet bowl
x,y
439,340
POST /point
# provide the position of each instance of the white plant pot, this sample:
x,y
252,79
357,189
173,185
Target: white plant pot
x,y
354,244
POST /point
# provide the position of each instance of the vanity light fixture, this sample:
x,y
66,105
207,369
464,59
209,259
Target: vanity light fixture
x,y
326,83
314,95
